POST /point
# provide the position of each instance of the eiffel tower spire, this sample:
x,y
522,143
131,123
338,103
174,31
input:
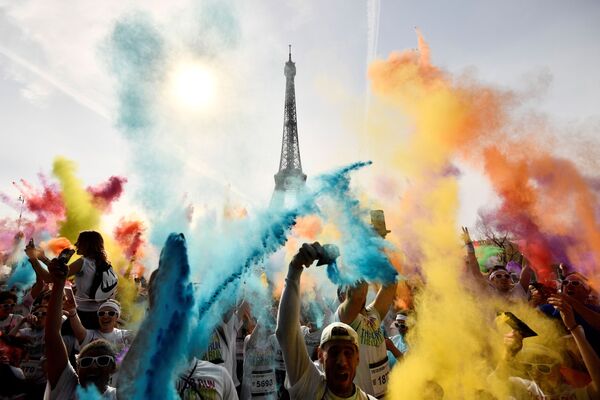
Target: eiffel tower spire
x,y
290,176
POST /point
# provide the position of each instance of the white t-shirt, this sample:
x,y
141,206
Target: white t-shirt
x,y
530,390
120,338
32,366
312,385
373,369
83,282
67,384
205,380
259,368
8,323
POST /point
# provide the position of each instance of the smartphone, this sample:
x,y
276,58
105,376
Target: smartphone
x,y
69,292
65,256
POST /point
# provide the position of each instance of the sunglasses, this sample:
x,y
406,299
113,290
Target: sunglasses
x,y
572,283
40,314
110,313
101,361
501,276
8,306
542,368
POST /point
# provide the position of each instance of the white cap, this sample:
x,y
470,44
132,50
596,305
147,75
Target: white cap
x,y
112,304
400,317
339,331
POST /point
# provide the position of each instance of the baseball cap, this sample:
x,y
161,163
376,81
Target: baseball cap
x,y
339,331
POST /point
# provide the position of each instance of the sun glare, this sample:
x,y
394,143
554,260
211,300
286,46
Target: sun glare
x,y
194,86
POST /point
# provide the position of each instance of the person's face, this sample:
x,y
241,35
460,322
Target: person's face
x,y
95,367
402,328
107,317
340,359
502,281
575,287
6,308
80,246
545,372
40,317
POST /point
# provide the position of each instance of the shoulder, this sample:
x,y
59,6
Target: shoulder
x,y
110,393
372,312
311,384
593,307
66,385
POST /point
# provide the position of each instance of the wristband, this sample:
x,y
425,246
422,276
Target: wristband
x,y
573,328
69,315
470,247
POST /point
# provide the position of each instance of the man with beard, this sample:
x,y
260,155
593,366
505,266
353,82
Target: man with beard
x,y
338,351
96,361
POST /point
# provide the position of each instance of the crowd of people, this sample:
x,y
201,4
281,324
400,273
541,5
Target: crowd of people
x,y
67,330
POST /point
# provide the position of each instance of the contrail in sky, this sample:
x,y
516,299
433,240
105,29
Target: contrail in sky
x,y
373,12
80,99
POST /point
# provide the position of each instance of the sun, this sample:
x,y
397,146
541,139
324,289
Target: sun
x,y
193,85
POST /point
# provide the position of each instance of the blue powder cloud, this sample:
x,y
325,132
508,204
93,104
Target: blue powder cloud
x,y
22,275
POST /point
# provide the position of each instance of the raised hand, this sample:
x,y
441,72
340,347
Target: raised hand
x,y
562,304
513,342
58,272
69,304
306,255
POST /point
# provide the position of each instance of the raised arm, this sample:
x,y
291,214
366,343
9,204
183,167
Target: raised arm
x,y
590,358
38,287
525,278
288,333
70,308
355,300
36,254
472,263
15,330
590,316
56,352
384,299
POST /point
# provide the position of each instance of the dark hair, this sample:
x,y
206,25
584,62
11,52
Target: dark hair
x,y
7,296
45,295
91,245
341,292
101,344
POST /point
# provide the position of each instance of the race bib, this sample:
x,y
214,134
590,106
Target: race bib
x,y
32,369
379,376
262,382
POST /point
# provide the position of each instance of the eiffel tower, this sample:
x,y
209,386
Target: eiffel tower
x,y
289,179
